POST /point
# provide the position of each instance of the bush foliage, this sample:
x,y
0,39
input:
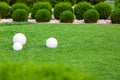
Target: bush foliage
x,y
67,17
31,2
27,2
116,2
115,16
73,2
117,7
104,10
95,1
20,15
41,5
91,1
54,2
59,8
29,71
7,1
4,10
19,6
43,15
91,16
80,9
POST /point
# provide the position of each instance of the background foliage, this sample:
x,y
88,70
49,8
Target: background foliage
x,y
15,71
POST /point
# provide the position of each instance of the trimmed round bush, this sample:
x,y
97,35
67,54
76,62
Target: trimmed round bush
x,y
91,16
4,10
19,6
115,16
80,9
60,7
67,17
104,10
43,15
20,15
41,5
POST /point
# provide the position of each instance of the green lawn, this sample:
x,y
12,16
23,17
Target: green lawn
x,y
89,48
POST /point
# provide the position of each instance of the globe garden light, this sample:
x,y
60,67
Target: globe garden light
x,y
19,37
51,42
17,46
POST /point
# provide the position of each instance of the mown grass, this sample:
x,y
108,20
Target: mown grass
x,y
89,48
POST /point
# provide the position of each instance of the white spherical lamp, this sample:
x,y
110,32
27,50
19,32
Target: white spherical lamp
x,y
17,46
51,43
19,37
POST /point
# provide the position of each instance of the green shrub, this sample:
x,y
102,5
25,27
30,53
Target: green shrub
x,y
7,1
20,15
67,17
77,1
95,1
19,6
91,16
91,1
116,2
54,2
73,2
14,1
117,7
80,9
41,5
43,15
60,7
11,2
27,2
4,10
30,2
115,16
104,10
10,71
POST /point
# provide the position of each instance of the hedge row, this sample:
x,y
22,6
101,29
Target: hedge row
x,y
42,12
31,2
19,71
53,2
